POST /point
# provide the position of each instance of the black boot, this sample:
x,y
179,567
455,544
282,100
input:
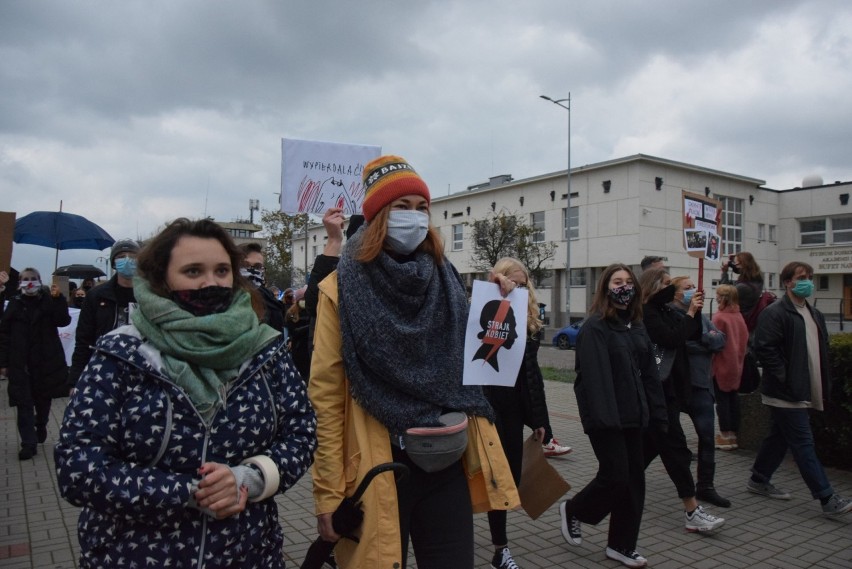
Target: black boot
x,y
27,452
710,495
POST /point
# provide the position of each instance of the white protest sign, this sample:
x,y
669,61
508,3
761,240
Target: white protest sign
x,y
318,175
496,335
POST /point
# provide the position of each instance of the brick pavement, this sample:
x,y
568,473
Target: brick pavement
x,y
38,528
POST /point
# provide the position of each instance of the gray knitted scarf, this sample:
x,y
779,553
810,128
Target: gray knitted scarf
x,y
403,326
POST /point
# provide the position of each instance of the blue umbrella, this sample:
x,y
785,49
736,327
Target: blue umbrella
x,y
59,230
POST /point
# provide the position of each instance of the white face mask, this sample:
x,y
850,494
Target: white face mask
x,y
30,288
406,230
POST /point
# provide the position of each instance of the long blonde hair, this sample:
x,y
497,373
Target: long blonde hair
x,y
505,267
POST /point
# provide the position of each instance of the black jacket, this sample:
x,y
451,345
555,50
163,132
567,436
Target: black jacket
x,y
324,265
98,316
528,391
670,329
617,385
781,346
31,349
273,309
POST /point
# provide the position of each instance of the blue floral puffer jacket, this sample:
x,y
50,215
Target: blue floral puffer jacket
x,y
131,444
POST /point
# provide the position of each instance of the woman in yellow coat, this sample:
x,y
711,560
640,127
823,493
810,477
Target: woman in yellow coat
x,y
388,356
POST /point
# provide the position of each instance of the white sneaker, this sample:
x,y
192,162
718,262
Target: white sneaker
x,y
553,448
626,558
701,521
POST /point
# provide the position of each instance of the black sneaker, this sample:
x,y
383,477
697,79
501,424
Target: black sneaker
x,y
626,558
711,496
572,529
27,452
503,560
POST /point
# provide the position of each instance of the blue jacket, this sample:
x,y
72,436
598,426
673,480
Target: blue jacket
x,y
131,444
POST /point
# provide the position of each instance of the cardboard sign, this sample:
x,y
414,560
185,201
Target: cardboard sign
x,y
701,217
541,485
7,233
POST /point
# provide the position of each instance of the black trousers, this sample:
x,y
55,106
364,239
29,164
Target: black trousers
x,y
508,407
672,450
618,489
31,416
436,513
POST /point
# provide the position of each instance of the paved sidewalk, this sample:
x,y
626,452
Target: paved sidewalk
x,y
38,528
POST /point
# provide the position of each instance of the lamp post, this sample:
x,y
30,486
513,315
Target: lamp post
x,y
567,207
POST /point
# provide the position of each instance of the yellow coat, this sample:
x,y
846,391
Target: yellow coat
x,y
351,442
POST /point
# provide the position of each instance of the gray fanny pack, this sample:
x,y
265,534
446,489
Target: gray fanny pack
x,y
436,448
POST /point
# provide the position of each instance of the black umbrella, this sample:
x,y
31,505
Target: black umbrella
x,y
79,272
348,516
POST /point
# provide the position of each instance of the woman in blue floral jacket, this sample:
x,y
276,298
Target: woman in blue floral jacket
x,y
186,423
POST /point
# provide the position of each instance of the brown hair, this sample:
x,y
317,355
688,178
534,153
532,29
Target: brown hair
x,y
652,283
375,232
153,260
508,265
602,304
728,296
790,269
749,269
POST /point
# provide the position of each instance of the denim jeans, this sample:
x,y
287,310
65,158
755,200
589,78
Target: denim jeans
x,y
728,410
791,428
703,417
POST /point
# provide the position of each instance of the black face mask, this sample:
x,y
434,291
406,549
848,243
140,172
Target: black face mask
x,y
78,301
204,301
664,296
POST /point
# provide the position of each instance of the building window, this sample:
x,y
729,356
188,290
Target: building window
x,y
732,224
772,234
315,251
575,223
458,237
761,232
537,222
822,282
578,277
770,280
812,232
841,230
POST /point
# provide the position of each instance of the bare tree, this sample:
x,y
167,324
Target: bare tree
x,y
280,228
508,235
493,237
535,255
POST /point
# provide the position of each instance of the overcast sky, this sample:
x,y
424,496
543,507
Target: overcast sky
x,y
134,113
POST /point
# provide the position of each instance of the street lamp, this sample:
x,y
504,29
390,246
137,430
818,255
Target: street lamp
x,y
567,207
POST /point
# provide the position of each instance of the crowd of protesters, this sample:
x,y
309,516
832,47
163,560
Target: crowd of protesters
x,y
214,391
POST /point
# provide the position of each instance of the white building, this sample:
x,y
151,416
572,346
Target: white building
x,y
627,208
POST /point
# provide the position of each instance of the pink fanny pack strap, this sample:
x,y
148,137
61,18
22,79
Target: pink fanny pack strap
x,y
448,430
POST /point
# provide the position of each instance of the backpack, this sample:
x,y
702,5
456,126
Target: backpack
x,y
765,299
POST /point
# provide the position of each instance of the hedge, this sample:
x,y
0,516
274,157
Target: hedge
x,y
833,428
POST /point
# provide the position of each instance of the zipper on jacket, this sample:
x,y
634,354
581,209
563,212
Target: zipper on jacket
x,y
167,432
203,543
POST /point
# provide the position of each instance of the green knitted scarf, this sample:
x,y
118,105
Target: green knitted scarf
x,y
201,354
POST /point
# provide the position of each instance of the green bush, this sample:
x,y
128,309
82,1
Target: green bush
x,y
833,427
